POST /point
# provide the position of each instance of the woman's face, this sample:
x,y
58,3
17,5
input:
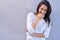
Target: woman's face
x,y
43,9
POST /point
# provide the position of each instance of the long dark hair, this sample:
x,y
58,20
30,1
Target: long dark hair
x,y
47,15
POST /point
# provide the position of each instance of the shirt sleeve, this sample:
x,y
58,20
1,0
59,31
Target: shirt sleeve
x,y
47,31
29,23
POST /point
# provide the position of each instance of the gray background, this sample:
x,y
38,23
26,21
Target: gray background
x,y
13,15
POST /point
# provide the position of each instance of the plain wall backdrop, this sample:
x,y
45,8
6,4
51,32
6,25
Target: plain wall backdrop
x,y
13,15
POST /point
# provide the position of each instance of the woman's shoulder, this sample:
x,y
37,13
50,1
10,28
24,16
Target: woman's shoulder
x,y
31,14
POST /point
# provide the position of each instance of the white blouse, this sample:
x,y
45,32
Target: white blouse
x,y
41,27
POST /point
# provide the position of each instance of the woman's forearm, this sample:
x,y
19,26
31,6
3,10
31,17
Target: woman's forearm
x,y
35,23
39,35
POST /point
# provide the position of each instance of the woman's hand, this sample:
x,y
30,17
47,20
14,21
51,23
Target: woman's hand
x,y
40,16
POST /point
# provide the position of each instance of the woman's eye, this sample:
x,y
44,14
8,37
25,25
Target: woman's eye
x,y
45,10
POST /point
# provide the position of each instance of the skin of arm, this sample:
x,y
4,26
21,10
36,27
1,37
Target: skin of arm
x,y
38,35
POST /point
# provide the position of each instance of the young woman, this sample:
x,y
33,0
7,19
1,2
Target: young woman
x,y
38,23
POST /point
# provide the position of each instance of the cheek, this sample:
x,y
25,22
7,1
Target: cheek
x,y
45,12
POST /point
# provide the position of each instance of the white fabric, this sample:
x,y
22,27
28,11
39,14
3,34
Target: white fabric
x,y
41,27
